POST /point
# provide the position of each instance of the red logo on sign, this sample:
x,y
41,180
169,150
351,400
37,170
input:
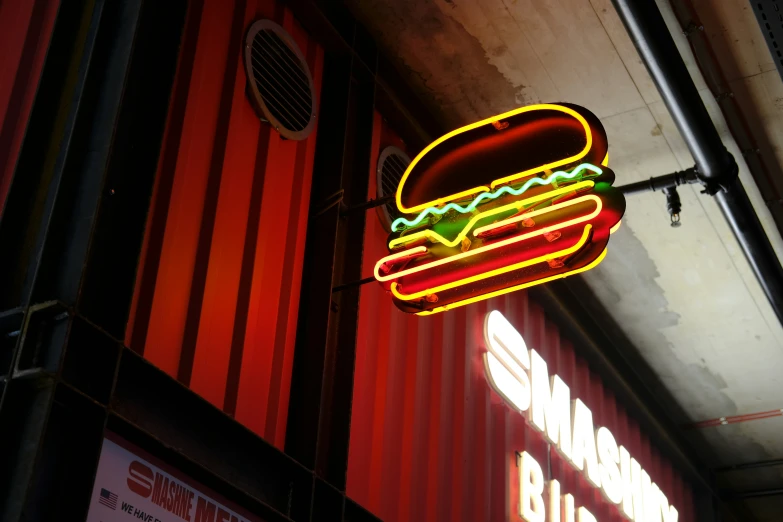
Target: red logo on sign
x,y
140,479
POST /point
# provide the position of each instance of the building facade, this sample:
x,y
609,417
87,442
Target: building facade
x,y
186,289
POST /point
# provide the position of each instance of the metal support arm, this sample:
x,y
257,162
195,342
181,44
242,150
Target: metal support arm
x,y
657,183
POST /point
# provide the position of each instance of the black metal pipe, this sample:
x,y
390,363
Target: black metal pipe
x,y
739,495
738,211
649,33
716,166
660,182
367,205
750,465
353,284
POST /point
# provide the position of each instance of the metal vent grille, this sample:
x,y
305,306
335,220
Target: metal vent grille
x,y
279,81
769,14
391,166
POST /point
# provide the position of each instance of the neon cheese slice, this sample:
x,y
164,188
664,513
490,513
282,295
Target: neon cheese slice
x,y
517,205
487,196
510,221
498,271
499,244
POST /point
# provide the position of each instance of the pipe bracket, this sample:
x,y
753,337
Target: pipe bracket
x,y
691,28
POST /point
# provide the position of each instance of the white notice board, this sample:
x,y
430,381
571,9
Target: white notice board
x,y
132,486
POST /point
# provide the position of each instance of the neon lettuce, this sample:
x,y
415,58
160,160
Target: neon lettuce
x,y
485,196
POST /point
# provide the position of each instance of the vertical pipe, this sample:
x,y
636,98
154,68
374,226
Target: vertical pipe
x,y
738,211
650,35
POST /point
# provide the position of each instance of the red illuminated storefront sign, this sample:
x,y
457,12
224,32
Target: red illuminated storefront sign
x,y
500,205
521,378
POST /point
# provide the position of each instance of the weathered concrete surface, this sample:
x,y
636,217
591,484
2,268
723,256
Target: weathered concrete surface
x,y
445,64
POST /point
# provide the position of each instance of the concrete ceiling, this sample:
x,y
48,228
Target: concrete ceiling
x,y
686,297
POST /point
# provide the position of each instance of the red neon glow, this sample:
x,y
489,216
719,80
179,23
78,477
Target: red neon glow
x,y
491,246
506,179
491,273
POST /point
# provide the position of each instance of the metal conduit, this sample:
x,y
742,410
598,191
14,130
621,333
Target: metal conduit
x,y
717,169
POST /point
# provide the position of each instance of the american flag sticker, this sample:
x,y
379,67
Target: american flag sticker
x,y
108,499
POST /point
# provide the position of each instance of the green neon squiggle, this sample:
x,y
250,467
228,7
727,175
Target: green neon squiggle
x,y
494,195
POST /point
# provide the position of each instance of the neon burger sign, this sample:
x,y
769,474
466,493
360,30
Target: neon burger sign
x,y
520,376
512,201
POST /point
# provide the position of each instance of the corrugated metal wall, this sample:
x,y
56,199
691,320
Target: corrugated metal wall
x,y
431,441
25,31
218,283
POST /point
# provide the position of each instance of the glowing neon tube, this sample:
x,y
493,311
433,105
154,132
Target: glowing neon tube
x,y
494,195
510,289
437,238
405,253
510,221
460,195
492,246
498,271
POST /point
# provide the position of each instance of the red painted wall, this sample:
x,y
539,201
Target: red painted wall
x,y
25,31
218,283
431,441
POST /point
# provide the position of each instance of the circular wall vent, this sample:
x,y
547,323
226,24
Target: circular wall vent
x,y
279,80
391,166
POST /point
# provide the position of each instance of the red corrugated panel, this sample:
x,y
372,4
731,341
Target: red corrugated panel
x,y
25,31
431,441
218,287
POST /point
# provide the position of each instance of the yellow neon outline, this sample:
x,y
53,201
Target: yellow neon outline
x,y
605,161
498,271
614,228
483,188
510,289
499,244
404,253
437,238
